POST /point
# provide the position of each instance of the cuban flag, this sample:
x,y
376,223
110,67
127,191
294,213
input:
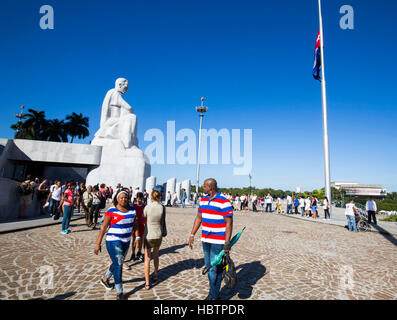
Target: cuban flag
x,y
317,59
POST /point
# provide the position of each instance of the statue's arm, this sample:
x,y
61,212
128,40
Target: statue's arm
x,y
118,101
125,105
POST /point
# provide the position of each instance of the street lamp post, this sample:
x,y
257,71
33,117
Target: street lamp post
x,y
250,176
20,116
200,109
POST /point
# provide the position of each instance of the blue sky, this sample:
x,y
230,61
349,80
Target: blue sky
x,y
252,60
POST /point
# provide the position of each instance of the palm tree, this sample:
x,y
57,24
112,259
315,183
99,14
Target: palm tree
x,y
21,132
77,126
54,130
34,124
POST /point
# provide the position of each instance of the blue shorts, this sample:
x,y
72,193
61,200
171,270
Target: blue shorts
x,y
314,208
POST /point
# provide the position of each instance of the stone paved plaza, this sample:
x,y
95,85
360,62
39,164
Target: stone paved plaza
x,y
277,257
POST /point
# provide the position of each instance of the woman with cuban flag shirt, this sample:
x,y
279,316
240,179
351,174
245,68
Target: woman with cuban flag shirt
x,y
120,219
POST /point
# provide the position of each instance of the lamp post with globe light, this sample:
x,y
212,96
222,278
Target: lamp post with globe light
x,y
200,109
20,116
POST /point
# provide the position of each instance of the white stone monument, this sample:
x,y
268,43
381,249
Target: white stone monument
x,y
171,185
150,184
121,160
178,190
186,186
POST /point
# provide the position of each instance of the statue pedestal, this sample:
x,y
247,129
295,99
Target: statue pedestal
x,y
130,167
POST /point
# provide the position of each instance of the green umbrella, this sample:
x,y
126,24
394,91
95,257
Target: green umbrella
x,y
218,258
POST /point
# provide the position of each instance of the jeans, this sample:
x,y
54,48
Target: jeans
x,y
351,223
215,272
67,215
303,211
117,251
184,203
289,208
54,207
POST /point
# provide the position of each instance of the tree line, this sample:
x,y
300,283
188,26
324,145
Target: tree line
x,y
36,127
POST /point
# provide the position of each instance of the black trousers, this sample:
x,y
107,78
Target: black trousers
x,y
94,213
326,213
371,214
268,206
254,207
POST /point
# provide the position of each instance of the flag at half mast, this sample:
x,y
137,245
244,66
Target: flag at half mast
x,y
317,59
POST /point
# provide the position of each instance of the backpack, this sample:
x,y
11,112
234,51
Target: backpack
x,y
229,274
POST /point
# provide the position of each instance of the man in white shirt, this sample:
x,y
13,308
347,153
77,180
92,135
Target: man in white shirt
x,y
371,208
307,206
242,199
168,199
350,215
268,201
134,195
55,199
174,199
289,204
302,206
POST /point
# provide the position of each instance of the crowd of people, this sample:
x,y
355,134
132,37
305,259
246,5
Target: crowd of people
x,y
305,206
130,221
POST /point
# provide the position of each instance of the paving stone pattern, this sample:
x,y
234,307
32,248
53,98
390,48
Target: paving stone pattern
x,y
276,258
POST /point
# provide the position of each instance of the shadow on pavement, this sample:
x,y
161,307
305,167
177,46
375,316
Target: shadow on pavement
x,y
172,249
169,271
59,297
385,233
247,277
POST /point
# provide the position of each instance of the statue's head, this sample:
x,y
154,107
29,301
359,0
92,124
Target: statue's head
x,y
121,85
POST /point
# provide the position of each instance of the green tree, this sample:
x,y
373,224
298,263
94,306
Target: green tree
x,y
54,130
77,126
34,124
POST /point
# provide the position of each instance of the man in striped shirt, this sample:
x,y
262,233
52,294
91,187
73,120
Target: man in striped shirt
x,y
215,214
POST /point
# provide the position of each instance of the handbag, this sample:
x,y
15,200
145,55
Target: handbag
x,y
163,225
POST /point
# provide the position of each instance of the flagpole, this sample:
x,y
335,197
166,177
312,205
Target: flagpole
x,y
325,120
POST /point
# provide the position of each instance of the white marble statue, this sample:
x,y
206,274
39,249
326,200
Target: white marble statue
x,y
117,118
121,159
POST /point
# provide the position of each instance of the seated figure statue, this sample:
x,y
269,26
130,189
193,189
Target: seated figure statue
x,y
117,118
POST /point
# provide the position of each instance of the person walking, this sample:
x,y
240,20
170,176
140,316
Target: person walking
x,y
67,203
326,208
289,204
254,200
155,230
269,201
95,207
87,201
237,202
215,214
119,224
195,199
302,205
295,202
350,212
145,197
174,199
314,207
55,197
139,207
307,207
184,197
278,205
371,209
168,199
43,192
